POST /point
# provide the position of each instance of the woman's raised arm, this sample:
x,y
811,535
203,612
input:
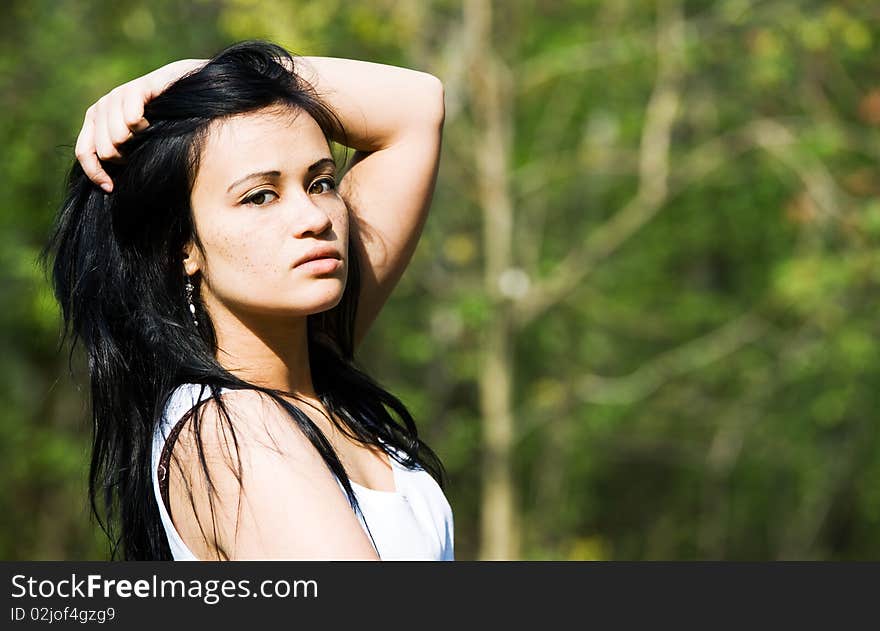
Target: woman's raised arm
x,y
394,119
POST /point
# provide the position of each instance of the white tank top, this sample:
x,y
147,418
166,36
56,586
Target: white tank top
x,y
412,523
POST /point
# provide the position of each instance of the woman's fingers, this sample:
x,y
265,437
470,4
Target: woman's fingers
x,y
133,102
103,140
111,121
86,154
118,130
108,125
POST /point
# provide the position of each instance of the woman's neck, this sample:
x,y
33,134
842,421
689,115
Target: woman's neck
x,y
266,351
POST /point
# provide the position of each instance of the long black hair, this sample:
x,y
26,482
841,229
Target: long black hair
x,y
116,269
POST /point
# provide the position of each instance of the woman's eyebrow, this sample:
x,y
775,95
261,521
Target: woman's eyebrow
x,y
320,163
272,174
276,174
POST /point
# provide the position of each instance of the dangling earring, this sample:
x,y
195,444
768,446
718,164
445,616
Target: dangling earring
x,y
188,288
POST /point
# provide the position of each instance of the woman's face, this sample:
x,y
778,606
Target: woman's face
x,y
264,197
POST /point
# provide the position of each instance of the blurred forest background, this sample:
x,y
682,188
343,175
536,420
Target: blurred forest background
x,y
641,323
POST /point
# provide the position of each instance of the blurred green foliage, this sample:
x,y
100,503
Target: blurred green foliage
x,y
708,391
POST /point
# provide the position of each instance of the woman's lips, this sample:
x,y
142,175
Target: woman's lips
x,y
320,266
319,252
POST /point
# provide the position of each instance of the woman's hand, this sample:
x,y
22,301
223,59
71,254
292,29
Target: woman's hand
x,y
118,115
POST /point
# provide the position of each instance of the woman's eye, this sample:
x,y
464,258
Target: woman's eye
x,y
329,181
260,198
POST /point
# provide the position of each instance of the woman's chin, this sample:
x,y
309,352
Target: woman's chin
x,y
319,301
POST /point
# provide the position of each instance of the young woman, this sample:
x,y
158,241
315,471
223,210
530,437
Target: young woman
x,y
220,274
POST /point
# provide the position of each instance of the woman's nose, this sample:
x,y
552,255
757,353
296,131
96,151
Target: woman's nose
x,y
310,219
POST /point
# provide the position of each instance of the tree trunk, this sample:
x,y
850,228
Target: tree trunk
x,y
498,529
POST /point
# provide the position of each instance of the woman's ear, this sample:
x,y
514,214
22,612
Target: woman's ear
x,y
192,262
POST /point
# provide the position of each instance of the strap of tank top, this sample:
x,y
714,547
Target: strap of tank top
x,y
165,460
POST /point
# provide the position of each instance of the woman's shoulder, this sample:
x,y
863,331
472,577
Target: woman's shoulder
x,y
249,414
